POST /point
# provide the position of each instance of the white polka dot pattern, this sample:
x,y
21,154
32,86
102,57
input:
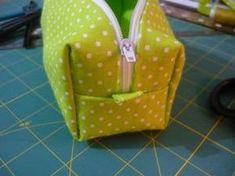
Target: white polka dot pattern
x,y
82,61
115,115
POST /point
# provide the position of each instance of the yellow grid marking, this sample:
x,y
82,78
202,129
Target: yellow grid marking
x,y
193,103
195,97
41,142
23,74
29,58
137,154
7,82
204,88
204,55
7,167
32,90
176,154
156,157
32,146
71,156
198,147
18,61
33,126
14,63
26,93
221,146
118,157
182,158
79,154
27,117
204,46
204,136
171,151
132,159
192,66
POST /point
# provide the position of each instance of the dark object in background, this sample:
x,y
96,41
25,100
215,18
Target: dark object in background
x,y
216,98
28,20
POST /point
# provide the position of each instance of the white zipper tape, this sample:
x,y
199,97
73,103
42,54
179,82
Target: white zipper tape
x,y
126,45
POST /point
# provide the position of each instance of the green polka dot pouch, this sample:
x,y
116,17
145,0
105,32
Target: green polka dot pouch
x,y
114,66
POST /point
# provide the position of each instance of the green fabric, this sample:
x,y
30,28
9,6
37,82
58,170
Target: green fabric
x,y
230,3
204,7
126,96
82,61
123,10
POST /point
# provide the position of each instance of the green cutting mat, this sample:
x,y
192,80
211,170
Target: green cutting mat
x,y
34,140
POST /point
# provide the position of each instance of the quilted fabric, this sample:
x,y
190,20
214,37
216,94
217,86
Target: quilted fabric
x,y
82,60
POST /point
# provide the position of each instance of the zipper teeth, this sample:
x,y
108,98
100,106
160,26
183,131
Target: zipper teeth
x,y
133,34
127,68
135,19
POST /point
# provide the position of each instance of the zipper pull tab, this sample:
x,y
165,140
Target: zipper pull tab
x,y
128,50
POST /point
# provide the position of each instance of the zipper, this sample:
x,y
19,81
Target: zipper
x,y
127,45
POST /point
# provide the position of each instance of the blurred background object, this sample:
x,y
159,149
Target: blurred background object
x,y
24,22
219,15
